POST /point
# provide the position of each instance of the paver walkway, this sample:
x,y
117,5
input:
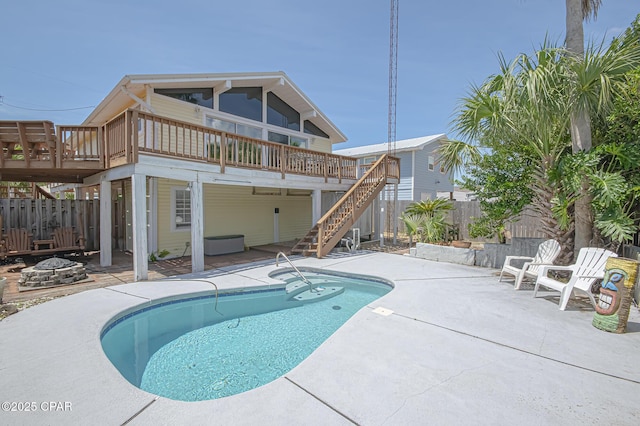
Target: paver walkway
x,y
121,271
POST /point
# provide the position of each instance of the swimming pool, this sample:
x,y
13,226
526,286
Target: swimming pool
x,y
203,347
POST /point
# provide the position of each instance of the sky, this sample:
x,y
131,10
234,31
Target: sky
x,y
61,58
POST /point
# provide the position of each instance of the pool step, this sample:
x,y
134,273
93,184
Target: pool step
x,y
296,286
317,294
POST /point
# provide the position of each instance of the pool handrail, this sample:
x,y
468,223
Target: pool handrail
x,y
311,288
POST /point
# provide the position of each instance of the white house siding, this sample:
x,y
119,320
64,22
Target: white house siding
x,y
405,186
235,210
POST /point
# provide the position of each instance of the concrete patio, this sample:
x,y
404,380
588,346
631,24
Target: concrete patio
x,y
459,348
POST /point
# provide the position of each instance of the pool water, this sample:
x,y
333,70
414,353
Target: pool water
x,y
229,349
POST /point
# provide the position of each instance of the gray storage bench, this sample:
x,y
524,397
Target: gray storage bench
x,y
223,244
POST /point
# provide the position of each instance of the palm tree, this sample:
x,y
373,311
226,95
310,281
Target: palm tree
x,y
526,110
521,111
427,219
577,11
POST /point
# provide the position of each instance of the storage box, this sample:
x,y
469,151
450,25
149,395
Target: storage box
x,y
223,244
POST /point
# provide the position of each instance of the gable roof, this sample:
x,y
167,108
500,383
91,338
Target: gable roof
x,y
132,86
405,145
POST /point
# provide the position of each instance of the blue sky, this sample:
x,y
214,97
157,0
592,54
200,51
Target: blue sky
x,y
69,54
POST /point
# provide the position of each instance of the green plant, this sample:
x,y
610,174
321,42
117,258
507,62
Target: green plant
x,y
430,207
155,256
427,228
427,220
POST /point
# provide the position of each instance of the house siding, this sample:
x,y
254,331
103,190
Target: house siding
x,y
319,144
235,210
157,136
405,186
425,179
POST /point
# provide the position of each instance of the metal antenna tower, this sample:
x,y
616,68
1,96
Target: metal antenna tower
x,y
393,76
391,121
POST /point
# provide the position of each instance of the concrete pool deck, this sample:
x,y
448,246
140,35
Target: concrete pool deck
x,y
459,348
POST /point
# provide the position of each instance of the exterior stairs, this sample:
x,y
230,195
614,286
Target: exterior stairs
x,y
308,245
330,229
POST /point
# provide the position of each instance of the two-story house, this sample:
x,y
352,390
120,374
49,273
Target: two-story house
x,y
201,155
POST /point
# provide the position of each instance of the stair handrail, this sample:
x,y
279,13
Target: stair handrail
x,y
377,174
353,189
304,279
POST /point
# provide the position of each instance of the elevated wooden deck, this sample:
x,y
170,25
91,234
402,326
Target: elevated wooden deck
x,y
38,151
35,151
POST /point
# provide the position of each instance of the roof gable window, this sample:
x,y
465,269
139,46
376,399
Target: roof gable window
x,y
202,97
242,101
279,113
312,129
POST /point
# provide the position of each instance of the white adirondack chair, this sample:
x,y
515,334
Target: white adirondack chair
x,y
589,267
547,253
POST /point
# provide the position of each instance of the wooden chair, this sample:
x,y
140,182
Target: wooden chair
x,y
16,242
65,239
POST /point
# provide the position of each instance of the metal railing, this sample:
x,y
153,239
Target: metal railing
x,y
304,279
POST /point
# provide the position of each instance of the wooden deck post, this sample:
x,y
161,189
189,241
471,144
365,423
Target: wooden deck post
x,y
101,148
283,161
326,167
133,136
223,151
127,136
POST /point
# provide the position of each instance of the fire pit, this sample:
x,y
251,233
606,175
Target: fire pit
x,y
52,272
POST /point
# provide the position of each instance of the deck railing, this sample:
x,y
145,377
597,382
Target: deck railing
x,y
77,143
135,132
88,149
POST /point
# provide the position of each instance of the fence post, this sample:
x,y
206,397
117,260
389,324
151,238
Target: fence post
x,y
133,139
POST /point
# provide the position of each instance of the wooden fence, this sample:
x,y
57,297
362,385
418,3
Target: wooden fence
x,y
527,225
41,217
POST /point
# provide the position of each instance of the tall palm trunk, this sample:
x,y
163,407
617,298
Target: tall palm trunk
x,y
574,41
580,124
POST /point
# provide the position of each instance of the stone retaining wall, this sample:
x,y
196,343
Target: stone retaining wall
x,y
492,256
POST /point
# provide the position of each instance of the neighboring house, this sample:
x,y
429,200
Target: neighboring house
x,y
420,176
193,156
458,194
